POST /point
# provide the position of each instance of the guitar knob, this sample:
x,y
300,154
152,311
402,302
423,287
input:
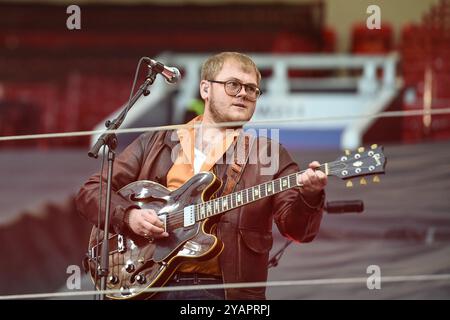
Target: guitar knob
x,y
140,278
125,291
112,279
130,268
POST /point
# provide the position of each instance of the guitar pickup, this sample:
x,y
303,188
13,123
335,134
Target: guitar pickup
x,y
189,216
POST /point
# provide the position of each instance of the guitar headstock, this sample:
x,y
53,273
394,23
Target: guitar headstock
x,y
359,163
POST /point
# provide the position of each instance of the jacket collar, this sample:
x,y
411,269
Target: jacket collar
x,y
171,138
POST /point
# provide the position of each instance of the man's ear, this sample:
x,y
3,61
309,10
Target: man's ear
x,y
204,89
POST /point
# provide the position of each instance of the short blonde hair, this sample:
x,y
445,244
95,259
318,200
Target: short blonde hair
x,y
213,65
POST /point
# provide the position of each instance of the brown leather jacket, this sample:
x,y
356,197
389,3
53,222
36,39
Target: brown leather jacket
x,y
246,232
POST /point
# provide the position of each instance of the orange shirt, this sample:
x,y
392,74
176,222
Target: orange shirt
x,y
187,163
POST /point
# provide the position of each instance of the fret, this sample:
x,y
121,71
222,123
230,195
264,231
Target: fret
x,y
209,209
250,194
263,190
239,198
276,185
256,192
270,187
232,201
225,203
216,206
294,179
284,184
202,211
244,196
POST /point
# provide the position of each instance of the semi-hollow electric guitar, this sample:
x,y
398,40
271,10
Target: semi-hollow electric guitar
x,y
137,263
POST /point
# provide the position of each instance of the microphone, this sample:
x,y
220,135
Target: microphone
x,y
337,207
171,74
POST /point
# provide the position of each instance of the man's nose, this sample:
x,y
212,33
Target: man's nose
x,y
242,92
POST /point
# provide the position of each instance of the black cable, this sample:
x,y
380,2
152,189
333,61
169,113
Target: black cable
x,y
136,73
273,262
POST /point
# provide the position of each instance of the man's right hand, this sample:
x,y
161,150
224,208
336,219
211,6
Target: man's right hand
x,y
145,222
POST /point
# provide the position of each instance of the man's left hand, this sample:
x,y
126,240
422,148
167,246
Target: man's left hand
x,y
313,181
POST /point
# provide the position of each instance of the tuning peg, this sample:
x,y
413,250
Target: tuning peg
x,y
349,184
376,179
347,152
361,149
363,181
374,146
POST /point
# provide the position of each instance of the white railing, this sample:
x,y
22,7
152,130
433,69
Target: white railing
x,y
368,93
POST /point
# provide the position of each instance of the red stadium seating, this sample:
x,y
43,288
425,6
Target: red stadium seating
x,y
371,41
75,78
425,51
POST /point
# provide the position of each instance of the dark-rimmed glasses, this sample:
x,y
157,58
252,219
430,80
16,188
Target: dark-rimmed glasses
x,y
233,87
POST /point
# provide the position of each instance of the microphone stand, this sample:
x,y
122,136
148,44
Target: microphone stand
x,y
109,139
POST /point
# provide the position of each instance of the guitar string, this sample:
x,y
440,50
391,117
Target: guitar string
x,y
233,197
178,216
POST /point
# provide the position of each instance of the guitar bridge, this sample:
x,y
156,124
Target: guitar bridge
x,y
189,216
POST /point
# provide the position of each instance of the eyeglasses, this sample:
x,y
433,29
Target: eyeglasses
x,y
233,87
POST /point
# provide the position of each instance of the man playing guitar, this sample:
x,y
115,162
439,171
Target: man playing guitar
x,y
171,160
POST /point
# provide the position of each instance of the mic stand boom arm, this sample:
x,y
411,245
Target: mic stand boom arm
x,y
109,139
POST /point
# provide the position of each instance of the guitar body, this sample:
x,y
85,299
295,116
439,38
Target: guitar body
x,y
137,263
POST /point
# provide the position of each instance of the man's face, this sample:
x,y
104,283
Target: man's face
x,y
223,107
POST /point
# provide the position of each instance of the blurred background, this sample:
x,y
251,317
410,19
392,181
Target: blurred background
x,y
319,61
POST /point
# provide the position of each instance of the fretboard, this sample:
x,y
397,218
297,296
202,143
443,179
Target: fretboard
x,y
241,198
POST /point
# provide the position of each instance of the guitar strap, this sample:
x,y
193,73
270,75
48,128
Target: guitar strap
x,y
240,158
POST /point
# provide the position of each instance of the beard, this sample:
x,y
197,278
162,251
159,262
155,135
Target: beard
x,y
219,116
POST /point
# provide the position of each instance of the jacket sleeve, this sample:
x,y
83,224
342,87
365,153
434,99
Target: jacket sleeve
x,y
295,217
126,169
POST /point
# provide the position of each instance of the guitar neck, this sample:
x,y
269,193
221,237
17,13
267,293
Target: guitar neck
x,y
243,197
356,164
